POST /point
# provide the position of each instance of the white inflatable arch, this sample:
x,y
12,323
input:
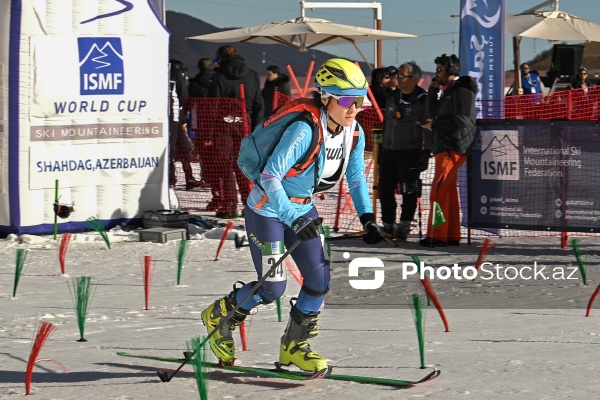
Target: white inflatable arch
x,y
83,105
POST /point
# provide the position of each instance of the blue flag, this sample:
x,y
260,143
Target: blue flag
x,y
482,52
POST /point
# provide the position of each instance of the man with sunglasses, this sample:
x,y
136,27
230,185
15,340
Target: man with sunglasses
x,y
530,82
281,211
405,152
451,110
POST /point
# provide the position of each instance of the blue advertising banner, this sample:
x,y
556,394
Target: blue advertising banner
x,y
481,51
535,175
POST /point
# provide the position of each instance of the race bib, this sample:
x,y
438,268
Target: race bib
x,y
271,254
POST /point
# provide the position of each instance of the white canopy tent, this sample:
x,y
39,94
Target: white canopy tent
x,y
550,25
303,34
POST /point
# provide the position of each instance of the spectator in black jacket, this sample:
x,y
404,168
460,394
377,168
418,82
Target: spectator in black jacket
x,y
380,79
582,80
232,72
406,150
451,117
276,81
199,84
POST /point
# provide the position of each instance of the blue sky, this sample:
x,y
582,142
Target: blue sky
x,y
431,19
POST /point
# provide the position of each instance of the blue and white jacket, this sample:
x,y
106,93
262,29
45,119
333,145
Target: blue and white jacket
x,y
294,143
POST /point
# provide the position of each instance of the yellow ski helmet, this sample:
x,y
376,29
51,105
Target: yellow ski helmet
x,y
341,77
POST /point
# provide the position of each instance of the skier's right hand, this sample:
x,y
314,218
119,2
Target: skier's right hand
x,y
373,232
306,228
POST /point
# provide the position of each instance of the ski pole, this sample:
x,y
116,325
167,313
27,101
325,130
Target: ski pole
x,y
164,376
359,235
344,237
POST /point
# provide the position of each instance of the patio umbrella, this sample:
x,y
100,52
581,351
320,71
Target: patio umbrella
x,y
303,34
551,25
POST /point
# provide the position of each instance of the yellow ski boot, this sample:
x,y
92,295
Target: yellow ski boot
x,y
294,346
221,342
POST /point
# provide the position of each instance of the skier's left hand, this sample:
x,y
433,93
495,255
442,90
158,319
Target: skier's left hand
x,y
373,232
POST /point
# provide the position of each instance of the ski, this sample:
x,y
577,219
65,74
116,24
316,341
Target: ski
x,y
298,375
270,373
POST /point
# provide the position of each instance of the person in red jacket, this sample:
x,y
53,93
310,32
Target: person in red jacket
x,y
451,107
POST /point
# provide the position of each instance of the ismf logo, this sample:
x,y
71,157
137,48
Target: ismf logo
x,y
500,155
275,248
101,66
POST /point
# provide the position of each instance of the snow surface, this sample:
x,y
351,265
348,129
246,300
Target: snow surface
x,y
546,349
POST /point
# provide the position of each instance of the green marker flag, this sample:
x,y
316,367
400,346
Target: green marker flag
x,y
183,246
200,364
55,214
438,215
580,265
81,289
417,261
278,304
97,226
19,267
327,232
418,308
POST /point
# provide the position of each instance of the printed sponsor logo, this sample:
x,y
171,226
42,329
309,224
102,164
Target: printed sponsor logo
x,y
471,9
500,155
274,248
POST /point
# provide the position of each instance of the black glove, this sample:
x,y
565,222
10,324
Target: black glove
x,y
423,162
306,228
373,232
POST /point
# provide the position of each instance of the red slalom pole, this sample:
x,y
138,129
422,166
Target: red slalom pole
x,y
589,307
64,244
294,271
43,333
485,249
147,265
223,238
431,293
373,101
308,75
243,336
294,80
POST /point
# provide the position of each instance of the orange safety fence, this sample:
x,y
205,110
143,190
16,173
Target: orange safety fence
x,y
216,127
570,105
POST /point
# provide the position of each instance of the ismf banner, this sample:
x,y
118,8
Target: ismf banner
x,y
535,176
482,51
